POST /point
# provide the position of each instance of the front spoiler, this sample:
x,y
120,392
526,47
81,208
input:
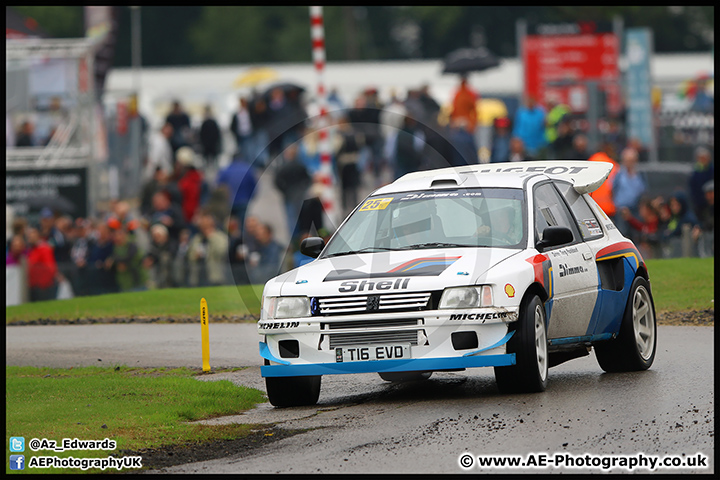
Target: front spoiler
x,y
376,366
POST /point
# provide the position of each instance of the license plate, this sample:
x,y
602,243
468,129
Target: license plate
x,y
375,352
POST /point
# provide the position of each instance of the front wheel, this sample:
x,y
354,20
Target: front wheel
x,y
293,391
529,344
634,348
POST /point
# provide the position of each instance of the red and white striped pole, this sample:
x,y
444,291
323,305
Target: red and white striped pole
x,y
317,34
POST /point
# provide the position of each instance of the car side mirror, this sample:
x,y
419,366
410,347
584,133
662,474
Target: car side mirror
x,y
312,246
553,236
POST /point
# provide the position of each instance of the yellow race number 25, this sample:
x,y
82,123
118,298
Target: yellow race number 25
x,y
376,204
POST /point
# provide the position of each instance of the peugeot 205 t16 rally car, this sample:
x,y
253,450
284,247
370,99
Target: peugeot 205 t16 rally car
x,y
508,265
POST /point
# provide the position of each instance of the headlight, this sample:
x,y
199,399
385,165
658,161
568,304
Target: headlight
x,y
467,297
286,307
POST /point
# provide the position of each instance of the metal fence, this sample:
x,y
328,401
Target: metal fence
x,y
679,133
53,120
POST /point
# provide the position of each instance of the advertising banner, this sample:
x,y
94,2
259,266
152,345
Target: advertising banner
x,y
638,43
62,189
559,64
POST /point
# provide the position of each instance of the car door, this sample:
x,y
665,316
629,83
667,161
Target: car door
x,y
612,273
573,271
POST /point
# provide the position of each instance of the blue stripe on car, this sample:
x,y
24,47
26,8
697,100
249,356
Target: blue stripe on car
x,y
416,364
610,305
502,341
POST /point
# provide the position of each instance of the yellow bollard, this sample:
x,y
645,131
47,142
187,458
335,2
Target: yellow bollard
x,y
205,335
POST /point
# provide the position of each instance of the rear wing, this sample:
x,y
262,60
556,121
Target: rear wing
x,y
585,176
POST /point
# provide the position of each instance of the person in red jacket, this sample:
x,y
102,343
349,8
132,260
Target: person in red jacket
x,y
42,269
645,228
190,183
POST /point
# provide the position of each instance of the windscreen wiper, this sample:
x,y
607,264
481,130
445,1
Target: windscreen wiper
x,y
363,250
437,245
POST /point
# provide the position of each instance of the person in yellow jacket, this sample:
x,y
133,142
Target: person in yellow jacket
x,y
556,112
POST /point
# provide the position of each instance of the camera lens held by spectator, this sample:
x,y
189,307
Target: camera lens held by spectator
x,y
208,254
200,251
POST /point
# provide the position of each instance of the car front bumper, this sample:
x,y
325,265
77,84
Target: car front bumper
x,y
410,365
434,351
438,353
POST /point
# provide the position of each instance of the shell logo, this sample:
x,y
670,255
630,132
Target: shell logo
x,y
509,290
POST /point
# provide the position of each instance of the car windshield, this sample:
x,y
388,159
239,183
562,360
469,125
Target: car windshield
x,y
478,217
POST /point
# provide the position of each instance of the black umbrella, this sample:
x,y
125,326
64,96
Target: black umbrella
x,y
56,204
465,60
286,87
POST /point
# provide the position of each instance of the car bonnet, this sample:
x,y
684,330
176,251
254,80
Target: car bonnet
x,y
413,270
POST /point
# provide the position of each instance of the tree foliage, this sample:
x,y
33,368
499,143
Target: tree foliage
x,y
60,22
251,34
193,35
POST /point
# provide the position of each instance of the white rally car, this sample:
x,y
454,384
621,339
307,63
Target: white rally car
x,y
507,265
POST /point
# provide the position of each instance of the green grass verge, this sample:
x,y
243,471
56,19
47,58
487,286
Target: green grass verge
x,y
177,302
681,284
141,408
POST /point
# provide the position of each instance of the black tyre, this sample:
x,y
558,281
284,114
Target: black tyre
x,y
293,391
634,347
529,344
404,376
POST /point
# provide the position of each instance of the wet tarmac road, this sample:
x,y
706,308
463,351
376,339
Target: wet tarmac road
x,y
365,425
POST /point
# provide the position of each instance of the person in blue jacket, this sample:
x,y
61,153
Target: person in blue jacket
x,y
703,172
529,126
680,215
239,180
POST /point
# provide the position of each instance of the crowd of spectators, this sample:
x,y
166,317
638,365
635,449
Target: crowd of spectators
x,y
158,250
680,224
670,227
190,226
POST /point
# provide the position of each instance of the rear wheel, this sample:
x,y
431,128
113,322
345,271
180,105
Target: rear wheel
x,y
529,344
293,391
404,376
634,348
